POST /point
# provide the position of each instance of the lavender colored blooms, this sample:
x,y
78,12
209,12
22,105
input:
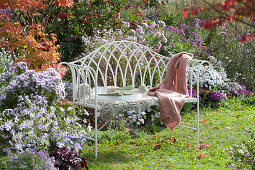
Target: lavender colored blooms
x,y
236,89
162,23
140,29
164,39
159,45
194,93
7,11
127,24
28,82
218,95
20,68
31,159
33,124
133,31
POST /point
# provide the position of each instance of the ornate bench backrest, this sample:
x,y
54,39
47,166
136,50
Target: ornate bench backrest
x,y
122,63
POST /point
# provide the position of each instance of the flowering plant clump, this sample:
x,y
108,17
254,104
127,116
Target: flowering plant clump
x,y
34,125
157,35
243,155
30,159
137,119
5,60
217,96
69,90
28,82
194,93
166,40
208,78
133,118
236,89
67,159
169,39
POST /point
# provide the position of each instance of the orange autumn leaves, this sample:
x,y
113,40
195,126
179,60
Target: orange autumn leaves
x,y
35,47
29,41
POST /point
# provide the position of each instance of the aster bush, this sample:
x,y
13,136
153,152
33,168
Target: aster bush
x,y
133,118
243,155
157,35
69,90
169,39
30,83
208,78
32,124
236,89
138,119
217,97
30,159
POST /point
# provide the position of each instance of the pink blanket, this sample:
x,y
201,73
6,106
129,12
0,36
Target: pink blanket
x,y
173,90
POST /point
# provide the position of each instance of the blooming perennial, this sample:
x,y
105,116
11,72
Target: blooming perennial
x,y
30,159
30,83
243,155
34,125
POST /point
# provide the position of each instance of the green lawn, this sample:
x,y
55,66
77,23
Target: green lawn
x,y
221,129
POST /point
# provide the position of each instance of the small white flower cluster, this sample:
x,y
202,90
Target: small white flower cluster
x,y
32,125
135,118
243,155
208,78
5,61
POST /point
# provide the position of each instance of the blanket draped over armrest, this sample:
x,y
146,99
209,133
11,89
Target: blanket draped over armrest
x,y
173,90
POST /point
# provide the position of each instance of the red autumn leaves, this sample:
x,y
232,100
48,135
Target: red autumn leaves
x,y
228,11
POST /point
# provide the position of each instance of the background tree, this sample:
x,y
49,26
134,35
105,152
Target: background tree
x,y
23,34
230,10
86,18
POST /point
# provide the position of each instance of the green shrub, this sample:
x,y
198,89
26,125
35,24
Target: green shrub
x,y
86,18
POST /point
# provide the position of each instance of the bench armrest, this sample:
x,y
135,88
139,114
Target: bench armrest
x,y
83,79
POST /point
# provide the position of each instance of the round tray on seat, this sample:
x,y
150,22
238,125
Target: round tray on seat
x,y
119,98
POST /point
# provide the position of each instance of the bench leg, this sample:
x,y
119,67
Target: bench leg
x,y
96,132
197,124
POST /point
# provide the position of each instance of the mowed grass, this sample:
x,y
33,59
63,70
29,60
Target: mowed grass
x,y
220,130
152,148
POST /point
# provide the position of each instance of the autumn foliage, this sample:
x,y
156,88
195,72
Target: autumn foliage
x,y
228,11
24,34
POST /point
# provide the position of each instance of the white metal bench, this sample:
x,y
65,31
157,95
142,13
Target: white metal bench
x,y
121,64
